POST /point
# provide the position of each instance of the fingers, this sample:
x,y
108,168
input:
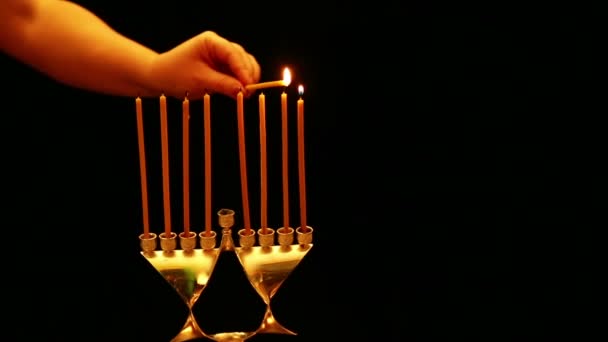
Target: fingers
x,y
223,83
257,71
242,65
245,70
253,68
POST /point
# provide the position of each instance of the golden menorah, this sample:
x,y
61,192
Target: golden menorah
x,y
187,260
188,268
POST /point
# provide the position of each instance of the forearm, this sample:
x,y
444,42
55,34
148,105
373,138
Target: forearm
x,y
75,47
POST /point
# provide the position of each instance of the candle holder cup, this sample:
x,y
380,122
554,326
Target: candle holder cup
x,y
189,269
266,237
246,240
304,235
285,236
147,243
208,241
187,241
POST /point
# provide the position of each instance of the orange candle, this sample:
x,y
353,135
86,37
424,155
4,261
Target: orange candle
x,y
142,166
243,159
301,160
186,163
207,130
262,107
281,83
165,164
285,160
256,86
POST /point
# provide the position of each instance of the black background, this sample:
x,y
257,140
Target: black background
x,y
438,160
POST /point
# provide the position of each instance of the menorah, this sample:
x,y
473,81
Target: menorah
x,y
187,260
188,269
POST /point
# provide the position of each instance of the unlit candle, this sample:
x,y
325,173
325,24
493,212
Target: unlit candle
x,y
207,130
186,164
243,162
165,164
301,161
263,175
142,166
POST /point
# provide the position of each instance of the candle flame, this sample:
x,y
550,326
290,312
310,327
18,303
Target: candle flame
x,y
301,90
286,77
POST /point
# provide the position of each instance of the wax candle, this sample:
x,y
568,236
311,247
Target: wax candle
x,y
142,166
280,83
165,164
186,163
256,86
284,128
243,162
301,160
262,108
207,133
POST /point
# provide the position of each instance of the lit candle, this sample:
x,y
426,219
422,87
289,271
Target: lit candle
x,y
262,107
285,161
301,160
186,163
142,166
165,163
207,129
243,159
281,83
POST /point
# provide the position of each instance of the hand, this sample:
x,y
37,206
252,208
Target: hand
x,y
205,63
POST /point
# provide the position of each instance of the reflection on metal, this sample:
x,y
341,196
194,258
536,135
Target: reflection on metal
x,y
267,268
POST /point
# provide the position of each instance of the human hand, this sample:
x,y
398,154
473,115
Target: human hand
x,y
206,63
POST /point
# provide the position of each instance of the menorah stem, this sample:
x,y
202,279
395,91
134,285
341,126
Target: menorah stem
x,y
226,244
190,330
271,326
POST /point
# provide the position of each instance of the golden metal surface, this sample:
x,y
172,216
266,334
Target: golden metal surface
x,y
246,240
208,242
285,236
148,245
267,268
168,242
187,242
304,237
188,272
232,336
266,239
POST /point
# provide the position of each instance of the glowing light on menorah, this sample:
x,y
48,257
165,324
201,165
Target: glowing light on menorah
x,y
188,267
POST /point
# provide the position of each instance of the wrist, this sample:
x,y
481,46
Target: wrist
x,y
148,81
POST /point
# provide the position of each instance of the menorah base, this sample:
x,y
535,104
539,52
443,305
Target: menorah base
x,y
188,271
232,336
191,331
